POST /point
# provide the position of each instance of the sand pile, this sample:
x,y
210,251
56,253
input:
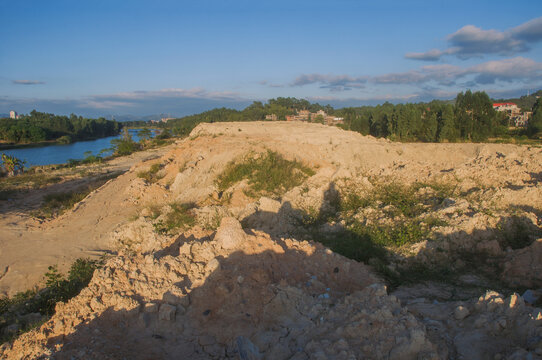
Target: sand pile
x,y
247,280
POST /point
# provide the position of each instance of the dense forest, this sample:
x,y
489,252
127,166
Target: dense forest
x,y
38,127
470,118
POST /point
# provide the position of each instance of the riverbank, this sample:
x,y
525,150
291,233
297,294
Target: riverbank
x,y
9,146
66,238
53,153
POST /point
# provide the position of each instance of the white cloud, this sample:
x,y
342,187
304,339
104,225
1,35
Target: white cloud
x,y
471,41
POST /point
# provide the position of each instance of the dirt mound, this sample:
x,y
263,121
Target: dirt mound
x,y
207,272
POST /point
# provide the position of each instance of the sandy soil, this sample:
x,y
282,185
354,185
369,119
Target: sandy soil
x,y
255,288
28,246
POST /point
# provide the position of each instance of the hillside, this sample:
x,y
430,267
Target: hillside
x,y
525,102
285,240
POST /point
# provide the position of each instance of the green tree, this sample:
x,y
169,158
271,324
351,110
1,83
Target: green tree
x,y
534,127
144,134
447,130
124,145
11,164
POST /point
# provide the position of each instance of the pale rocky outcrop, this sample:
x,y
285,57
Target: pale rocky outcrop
x,y
253,288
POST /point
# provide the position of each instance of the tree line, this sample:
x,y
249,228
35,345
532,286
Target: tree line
x,y
38,126
470,117
257,111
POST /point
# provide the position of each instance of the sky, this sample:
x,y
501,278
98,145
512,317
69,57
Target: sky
x,y
110,57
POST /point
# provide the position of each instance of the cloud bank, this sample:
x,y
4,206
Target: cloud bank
x,y
178,102
516,69
471,41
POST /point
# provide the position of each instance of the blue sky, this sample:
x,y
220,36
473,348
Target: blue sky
x,y
180,57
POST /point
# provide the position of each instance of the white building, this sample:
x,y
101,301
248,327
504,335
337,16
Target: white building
x,y
13,114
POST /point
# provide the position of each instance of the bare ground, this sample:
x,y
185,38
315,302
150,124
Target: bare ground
x,y
265,290
29,245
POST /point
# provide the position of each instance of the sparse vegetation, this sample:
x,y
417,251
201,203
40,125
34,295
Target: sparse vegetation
x,y
125,145
399,218
267,173
181,216
31,308
56,204
152,175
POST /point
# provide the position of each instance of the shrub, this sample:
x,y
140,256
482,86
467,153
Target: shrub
x,y
151,175
58,288
181,216
124,145
11,164
267,173
66,139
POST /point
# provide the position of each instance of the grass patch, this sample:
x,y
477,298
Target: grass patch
x,y
181,217
406,200
27,181
31,308
376,240
267,173
152,175
356,246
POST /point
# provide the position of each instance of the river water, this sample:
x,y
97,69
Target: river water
x,y
59,154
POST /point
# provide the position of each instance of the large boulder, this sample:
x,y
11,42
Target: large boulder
x,y
230,234
524,267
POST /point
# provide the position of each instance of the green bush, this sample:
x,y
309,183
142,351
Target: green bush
x,y
181,217
267,173
125,145
66,139
151,175
58,288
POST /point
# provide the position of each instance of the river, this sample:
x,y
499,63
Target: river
x,y
59,154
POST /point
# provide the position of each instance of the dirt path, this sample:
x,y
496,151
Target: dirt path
x,y
28,246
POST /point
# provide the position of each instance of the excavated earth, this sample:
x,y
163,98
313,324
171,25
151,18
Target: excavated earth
x,y
248,282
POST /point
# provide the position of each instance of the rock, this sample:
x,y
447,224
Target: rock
x,y
530,296
212,265
184,249
230,234
269,205
490,247
514,301
167,312
473,344
461,312
146,212
151,308
32,318
378,289
246,349
206,340
524,267
12,329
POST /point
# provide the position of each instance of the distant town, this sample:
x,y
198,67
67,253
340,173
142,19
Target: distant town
x,y
305,115
516,117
